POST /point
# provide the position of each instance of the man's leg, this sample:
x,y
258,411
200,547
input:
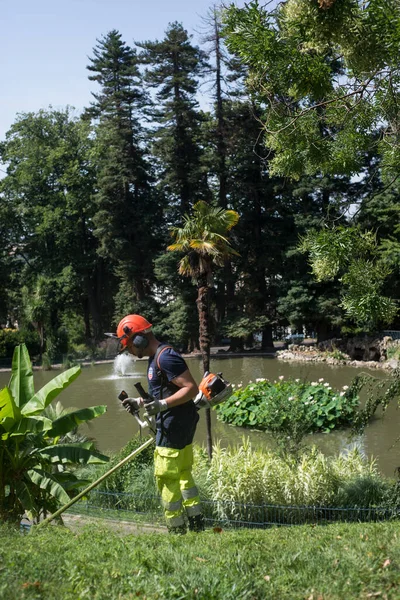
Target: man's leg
x,y
190,494
166,471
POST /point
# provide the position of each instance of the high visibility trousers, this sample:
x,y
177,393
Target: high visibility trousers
x,y
179,494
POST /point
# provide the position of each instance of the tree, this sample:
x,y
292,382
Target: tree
x,y
127,210
218,133
174,66
49,191
202,239
353,254
327,76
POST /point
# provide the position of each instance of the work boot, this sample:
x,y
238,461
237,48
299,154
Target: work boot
x,y
178,530
197,523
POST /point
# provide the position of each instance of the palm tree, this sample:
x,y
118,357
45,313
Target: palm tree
x,y
203,241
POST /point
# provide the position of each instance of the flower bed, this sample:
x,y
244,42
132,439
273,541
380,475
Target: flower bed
x,y
283,404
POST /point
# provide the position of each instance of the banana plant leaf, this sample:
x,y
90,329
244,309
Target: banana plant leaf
x,y
72,453
9,412
69,481
8,408
46,481
21,382
26,425
25,496
71,420
48,392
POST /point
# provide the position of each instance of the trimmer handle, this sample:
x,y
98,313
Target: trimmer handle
x,y
143,394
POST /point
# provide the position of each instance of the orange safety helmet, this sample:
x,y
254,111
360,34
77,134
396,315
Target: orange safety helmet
x,y
131,325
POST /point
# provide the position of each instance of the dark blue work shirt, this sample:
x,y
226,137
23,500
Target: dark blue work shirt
x,y
176,426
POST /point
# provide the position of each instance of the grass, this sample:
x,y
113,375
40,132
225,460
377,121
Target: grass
x,y
341,561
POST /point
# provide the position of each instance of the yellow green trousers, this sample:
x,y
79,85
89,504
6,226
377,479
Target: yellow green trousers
x,y
179,494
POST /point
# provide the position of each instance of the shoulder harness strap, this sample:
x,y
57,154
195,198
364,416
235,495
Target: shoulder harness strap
x,y
160,373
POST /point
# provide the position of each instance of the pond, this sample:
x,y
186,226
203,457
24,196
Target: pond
x,y
100,384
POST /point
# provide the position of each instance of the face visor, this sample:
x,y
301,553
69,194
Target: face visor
x,y
116,345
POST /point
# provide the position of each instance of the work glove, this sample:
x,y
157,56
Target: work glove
x,y
155,406
201,401
132,405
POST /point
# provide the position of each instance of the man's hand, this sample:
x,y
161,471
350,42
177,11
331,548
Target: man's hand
x,y
155,406
132,405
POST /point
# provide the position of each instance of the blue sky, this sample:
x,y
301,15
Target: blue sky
x,y
45,44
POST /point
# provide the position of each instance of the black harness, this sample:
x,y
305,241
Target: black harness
x,y
171,387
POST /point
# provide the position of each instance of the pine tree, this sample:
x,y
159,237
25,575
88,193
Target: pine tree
x,y
127,215
173,68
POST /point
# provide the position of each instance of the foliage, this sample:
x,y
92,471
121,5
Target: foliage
x,y
10,338
121,480
173,67
243,327
290,409
379,393
87,203
327,76
126,208
35,455
246,475
393,351
353,254
202,239
331,249
49,189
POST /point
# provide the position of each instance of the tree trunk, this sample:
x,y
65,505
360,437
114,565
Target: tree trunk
x,y
204,339
267,343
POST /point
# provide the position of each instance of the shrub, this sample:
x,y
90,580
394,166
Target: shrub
x,y
10,338
36,457
290,409
242,476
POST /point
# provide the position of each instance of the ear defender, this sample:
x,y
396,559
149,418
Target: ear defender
x,y
140,341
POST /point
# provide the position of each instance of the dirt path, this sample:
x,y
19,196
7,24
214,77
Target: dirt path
x,y
76,522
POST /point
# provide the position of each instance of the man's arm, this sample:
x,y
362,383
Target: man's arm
x,y
188,389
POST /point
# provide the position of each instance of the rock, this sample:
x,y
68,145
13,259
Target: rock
x,y
392,363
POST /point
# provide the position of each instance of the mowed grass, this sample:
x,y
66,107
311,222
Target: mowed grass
x,y
338,561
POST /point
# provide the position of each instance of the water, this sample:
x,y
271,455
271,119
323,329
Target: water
x,y
101,384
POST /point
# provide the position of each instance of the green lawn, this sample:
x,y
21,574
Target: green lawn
x,y
338,561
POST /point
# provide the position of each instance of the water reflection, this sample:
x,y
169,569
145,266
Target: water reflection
x,y
101,384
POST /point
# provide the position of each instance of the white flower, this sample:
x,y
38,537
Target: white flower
x,y
321,380
306,403
329,388
297,380
309,398
291,398
326,384
281,377
314,383
342,394
251,388
240,385
237,403
345,387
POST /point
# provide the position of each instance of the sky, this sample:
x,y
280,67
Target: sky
x,y
45,45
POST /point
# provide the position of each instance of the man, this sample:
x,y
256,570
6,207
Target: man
x,y
172,388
